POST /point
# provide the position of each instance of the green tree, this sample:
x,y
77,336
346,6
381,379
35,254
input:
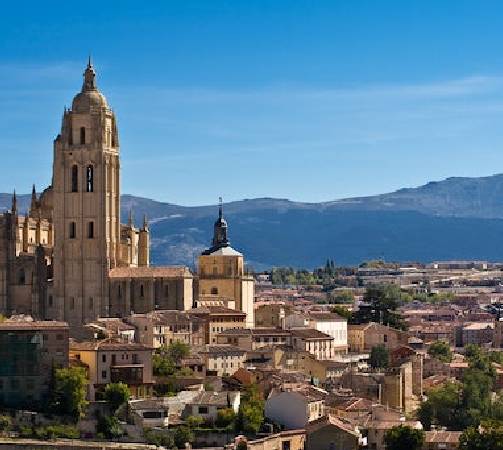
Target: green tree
x,y
116,394
194,421
403,437
161,438
177,351
489,436
225,417
379,357
342,311
183,435
109,427
69,392
345,297
382,303
251,410
442,407
441,350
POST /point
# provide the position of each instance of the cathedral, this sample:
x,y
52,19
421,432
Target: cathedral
x,y
69,258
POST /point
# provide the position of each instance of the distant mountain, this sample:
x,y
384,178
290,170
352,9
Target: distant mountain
x,y
457,218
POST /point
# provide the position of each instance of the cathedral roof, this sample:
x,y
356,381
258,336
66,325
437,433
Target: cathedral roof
x,y
223,251
150,272
89,97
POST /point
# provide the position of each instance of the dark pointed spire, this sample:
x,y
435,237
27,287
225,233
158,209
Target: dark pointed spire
x,y
14,203
33,205
220,228
145,222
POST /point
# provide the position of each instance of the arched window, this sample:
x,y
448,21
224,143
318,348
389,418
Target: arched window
x,y
21,277
73,230
214,290
89,178
82,135
90,230
75,178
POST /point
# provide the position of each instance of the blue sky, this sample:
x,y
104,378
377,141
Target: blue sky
x,y
307,100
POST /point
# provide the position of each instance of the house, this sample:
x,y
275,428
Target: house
x,y
217,319
207,404
361,338
29,351
478,333
222,359
441,440
377,428
163,327
284,440
332,433
328,323
111,327
159,411
254,339
110,361
310,340
295,409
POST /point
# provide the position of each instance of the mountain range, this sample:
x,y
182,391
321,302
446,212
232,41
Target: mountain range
x,y
456,218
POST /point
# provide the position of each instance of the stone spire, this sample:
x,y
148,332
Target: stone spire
x,y
130,218
145,222
89,77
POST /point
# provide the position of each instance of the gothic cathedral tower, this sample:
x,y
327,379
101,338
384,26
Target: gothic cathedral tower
x,y
86,207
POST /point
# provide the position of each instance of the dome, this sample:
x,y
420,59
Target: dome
x,y
89,97
85,101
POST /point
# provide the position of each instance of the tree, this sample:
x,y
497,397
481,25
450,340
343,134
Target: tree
x,y
177,351
109,427
403,437
69,393
489,436
251,410
345,297
441,350
182,435
342,311
379,357
225,417
382,303
116,394
194,421
442,407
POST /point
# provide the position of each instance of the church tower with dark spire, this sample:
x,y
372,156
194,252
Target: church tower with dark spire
x,y
223,280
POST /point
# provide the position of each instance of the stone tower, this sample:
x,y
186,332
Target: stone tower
x,y
86,207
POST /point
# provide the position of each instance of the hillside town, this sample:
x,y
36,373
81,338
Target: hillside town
x,y
101,350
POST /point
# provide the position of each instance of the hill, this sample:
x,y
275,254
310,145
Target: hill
x,y
457,218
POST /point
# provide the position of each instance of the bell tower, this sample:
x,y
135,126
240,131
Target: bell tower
x,y
86,206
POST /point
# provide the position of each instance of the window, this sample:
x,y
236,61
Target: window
x,y
215,271
73,230
214,290
202,409
82,135
103,374
90,230
21,277
50,300
72,302
89,179
385,338
285,445
75,178
91,303
166,290
141,290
